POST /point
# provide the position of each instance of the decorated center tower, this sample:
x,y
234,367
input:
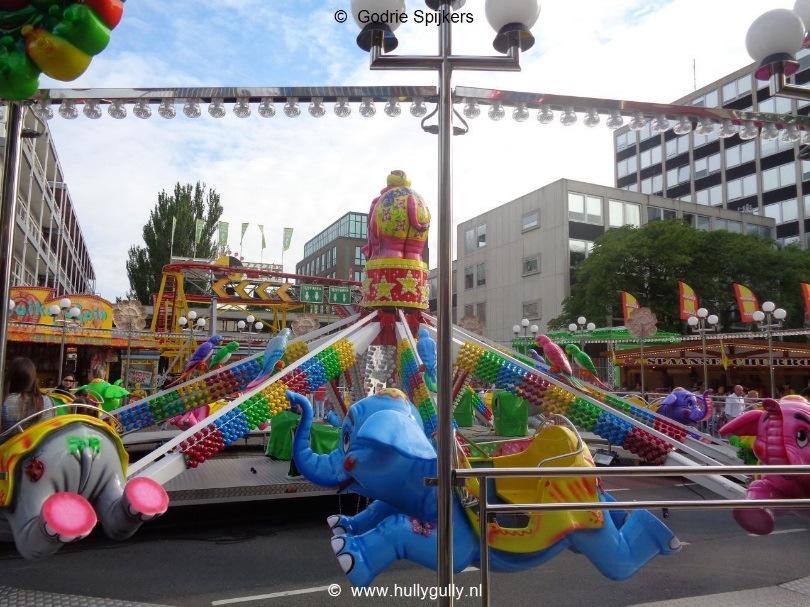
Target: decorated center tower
x,y
398,224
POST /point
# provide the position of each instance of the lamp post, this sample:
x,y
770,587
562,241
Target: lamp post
x,y
189,323
768,318
512,20
703,323
64,313
525,326
248,325
581,327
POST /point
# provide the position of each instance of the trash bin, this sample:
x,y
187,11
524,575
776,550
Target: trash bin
x,y
511,414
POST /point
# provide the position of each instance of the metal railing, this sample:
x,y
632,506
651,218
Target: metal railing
x,y
51,411
487,510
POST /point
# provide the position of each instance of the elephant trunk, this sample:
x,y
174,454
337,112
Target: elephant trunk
x,y
123,512
771,439
318,469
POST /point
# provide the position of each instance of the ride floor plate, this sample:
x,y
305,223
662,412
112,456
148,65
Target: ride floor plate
x,y
17,597
791,594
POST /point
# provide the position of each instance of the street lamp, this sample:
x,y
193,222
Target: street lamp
x,y
249,325
66,314
525,326
701,324
767,319
512,21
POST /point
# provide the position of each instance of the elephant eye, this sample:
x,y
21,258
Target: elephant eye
x,y
801,438
346,440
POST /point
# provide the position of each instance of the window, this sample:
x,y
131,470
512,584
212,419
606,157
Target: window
x,y
358,276
469,241
740,154
646,186
650,157
806,173
778,177
359,258
714,163
481,234
627,166
579,250
481,274
531,265
657,183
584,208
659,214
469,277
672,178
704,139
625,140
532,310
702,223
684,174
736,89
475,238
775,105
469,310
481,312
672,148
761,231
701,168
783,212
531,220
334,256
807,207
624,214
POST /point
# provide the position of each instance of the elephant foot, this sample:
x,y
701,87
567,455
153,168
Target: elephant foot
x,y
759,521
338,524
351,560
68,516
146,499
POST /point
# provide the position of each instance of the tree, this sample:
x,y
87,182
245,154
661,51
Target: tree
x,y
649,261
187,203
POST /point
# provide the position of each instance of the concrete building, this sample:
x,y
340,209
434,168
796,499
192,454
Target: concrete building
x,y
760,176
49,247
335,252
515,261
433,301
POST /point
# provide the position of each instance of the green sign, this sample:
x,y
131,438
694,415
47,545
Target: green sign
x,y
311,294
340,296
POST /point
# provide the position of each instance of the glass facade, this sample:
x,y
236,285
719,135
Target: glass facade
x,y
351,225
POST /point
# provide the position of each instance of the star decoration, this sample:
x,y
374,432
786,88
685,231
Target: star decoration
x,y
384,289
366,285
409,284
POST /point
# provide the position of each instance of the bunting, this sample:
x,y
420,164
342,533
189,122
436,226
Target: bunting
x,y
689,302
629,303
747,302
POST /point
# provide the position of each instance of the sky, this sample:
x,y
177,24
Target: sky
x,y
305,173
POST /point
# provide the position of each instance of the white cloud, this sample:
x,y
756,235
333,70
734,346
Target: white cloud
x,y
304,173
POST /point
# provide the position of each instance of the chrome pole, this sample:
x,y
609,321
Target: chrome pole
x,y
705,365
8,211
62,351
445,330
483,559
768,321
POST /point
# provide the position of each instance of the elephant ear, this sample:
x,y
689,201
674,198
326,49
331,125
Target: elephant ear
x,y
394,430
746,424
670,399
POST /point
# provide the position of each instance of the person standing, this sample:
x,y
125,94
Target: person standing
x,y
320,399
22,397
735,403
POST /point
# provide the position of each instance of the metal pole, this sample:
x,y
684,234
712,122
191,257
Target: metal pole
x,y
483,559
705,366
129,355
446,441
8,210
642,367
62,352
770,355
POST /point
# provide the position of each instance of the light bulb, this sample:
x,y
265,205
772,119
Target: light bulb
x,y
259,326
749,131
516,329
217,108
728,129
251,319
367,107
534,329
418,108
241,325
267,109
191,109
54,310
638,121
200,322
291,109
616,121
500,13
316,108
568,117
392,107
525,323
758,316
776,32
769,131
705,127
692,321
572,327
192,315
67,109
166,109
117,110
43,109
682,126
496,112
660,124
471,109
342,107
702,312
92,109
768,306
11,305
545,115
591,119
780,314
581,320
792,134
182,321
591,326
713,319
65,303
75,312
142,110
521,114
241,109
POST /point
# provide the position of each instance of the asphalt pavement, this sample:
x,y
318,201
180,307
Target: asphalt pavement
x,y
278,554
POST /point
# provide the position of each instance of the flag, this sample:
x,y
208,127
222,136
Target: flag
x,y
223,233
629,303
261,230
200,225
244,229
725,361
288,232
806,296
746,302
174,226
689,302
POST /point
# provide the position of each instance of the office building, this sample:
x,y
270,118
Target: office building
x,y
762,176
335,252
515,261
49,247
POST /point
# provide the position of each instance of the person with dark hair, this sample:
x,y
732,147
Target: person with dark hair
x,y
22,397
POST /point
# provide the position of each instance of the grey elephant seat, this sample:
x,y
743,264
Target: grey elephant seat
x,y
62,475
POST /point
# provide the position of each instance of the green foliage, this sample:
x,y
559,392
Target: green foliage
x,y
648,262
187,203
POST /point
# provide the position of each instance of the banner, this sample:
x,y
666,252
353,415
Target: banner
x,y
746,302
806,297
288,232
261,230
629,303
244,229
223,233
689,302
199,226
